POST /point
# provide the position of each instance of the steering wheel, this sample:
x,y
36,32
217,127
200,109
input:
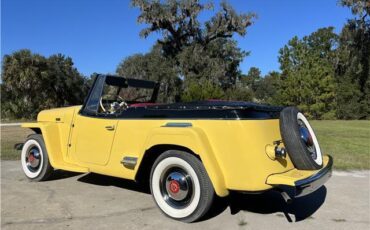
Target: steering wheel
x,y
117,105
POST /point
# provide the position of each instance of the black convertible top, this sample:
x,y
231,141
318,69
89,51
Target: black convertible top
x,y
210,109
217,104
229,110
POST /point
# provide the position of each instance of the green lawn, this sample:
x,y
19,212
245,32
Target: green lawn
x,y
9,137
347,141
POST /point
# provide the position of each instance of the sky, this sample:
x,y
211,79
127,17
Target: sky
x,y
99,34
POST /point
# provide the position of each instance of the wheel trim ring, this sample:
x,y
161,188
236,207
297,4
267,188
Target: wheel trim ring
x,y
318,158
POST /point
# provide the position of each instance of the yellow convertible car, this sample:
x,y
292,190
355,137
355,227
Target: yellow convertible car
x,y
188,152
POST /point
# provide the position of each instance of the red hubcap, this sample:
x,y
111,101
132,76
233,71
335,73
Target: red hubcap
x,y
174,186
31,158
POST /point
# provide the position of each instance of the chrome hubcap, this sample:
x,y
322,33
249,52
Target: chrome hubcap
x,y
177,187
306,137
33,158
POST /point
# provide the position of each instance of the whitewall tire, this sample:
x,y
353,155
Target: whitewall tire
x,y
180,186
316,148
34,159
300,140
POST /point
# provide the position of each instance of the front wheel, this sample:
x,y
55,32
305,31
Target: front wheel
x,y
35,160
180,186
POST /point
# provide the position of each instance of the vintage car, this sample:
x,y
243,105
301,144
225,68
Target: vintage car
x,y
189,153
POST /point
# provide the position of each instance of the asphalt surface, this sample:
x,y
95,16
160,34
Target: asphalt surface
x,y
91,201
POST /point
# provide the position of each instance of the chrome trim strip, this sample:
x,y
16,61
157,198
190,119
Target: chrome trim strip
x,y
129,162
178,124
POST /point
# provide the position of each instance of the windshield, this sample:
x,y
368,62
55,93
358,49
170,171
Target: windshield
x,y
130,90
112,94
136,95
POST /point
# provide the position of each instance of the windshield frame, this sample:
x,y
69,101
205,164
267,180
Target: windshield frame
x,y
120,82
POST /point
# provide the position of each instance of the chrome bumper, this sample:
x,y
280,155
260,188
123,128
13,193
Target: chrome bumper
x,y
314,182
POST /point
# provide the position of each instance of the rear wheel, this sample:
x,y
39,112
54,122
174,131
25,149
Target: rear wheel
x,y
180,186
300,140
35,160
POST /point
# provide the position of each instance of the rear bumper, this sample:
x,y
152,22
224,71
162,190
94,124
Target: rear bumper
x,y
300,181
314,182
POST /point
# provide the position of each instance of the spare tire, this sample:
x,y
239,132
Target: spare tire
x,y
300,140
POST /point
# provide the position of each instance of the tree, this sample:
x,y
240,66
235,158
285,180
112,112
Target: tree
x,y
198,50
178,22
201,90
353,66
307,78
266,88
31,82
66,84
239,93
252,78
22,75
360,8
153,66
218,63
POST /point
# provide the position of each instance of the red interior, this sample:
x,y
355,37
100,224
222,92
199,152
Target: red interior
x,y
142,104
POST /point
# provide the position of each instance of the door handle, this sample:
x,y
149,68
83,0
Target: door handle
x,y
109,127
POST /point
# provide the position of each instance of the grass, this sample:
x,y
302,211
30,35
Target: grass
x,y
6,120
347,141
9,137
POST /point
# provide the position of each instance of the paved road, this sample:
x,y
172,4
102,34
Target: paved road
x,y
91,201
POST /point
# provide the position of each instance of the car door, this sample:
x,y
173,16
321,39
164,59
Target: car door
x,y
93,139
94,127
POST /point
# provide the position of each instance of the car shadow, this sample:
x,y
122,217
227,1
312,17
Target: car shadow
x,y
102,180
61,174
271,202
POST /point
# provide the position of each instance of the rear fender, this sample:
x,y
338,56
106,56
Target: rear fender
x,y
196,140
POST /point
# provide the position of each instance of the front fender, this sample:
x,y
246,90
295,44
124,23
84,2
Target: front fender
x,y
52,145
51,135
196,140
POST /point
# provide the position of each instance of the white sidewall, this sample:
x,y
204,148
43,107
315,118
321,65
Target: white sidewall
x,y
173,212
318,159
26,146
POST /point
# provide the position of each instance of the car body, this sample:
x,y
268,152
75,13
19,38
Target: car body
x,y
238,143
